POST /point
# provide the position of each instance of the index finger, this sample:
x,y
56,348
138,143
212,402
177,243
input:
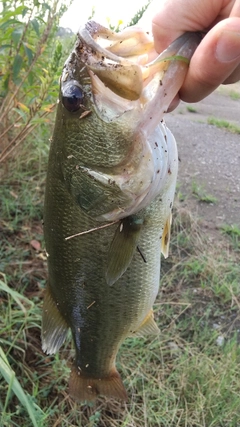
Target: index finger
x,y
176,17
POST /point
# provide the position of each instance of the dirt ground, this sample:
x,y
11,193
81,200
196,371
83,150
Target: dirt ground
x,y
209,157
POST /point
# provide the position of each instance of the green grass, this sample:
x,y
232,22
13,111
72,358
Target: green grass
x,y
234,95
233,231
182,378
36,415
199,192
191,109
224,124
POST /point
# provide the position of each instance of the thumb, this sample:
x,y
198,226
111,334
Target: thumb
x,y
214,61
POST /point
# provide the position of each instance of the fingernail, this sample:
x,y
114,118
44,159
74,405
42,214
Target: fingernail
x,y
228,46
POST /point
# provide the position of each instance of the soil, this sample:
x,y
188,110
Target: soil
x,y
209,157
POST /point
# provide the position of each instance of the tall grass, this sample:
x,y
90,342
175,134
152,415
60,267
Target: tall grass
x,y
29,62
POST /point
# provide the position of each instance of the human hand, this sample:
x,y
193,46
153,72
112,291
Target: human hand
x,y
217,58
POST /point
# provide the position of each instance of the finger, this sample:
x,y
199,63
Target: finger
x,y
166,27
236,9
215,59
173,104
234,77
176,17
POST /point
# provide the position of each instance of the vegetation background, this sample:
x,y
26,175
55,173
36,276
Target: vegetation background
x,y
187,377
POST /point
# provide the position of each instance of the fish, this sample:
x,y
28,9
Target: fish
x,y
109,194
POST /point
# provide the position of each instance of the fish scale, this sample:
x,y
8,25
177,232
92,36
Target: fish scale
x,y
108,201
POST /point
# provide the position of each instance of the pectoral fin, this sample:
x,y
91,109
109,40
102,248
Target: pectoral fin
x,y
122,248
54,327
147,327
166,236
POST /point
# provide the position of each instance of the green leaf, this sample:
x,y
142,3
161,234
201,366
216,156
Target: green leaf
x,y
17,34
7,23
21,113
19,10
14,12
31,78
5,46
28,52
5,83
25,11
35,26
46,6
17,65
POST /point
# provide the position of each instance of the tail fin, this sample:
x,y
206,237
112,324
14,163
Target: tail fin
x,y
83,388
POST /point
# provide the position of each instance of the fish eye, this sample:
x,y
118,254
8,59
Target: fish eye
x,y
72,97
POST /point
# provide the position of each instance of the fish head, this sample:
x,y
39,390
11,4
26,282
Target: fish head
x,y
111,63
114,92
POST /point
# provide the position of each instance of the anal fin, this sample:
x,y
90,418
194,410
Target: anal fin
x,y
82,387
166,236
122,248
147,327
54,327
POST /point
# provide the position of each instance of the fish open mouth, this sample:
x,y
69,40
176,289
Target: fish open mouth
x,y
115,58
127,61
133,86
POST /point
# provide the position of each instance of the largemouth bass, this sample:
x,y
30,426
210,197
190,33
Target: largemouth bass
x,y
109,193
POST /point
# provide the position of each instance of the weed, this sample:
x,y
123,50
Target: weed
x,y
233,231
199,192
181,197
234,95
29,62
191,109
231,127
138,14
